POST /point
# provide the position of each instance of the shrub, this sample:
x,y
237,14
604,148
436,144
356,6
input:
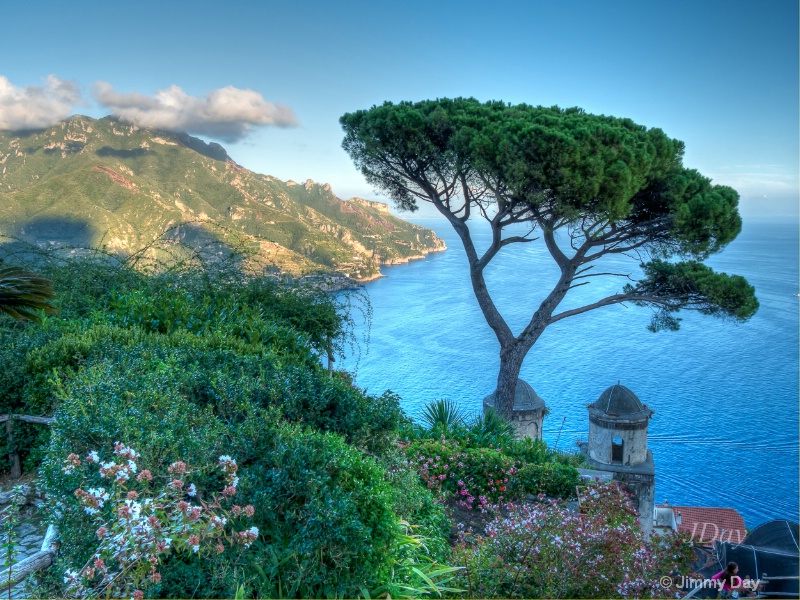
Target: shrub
x,y
490,428
552,479
468,474
415,504
128,401
325,511
142,518
550,551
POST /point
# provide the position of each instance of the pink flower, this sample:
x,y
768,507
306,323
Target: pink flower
x,y
249,511
145,475
176,484
177,468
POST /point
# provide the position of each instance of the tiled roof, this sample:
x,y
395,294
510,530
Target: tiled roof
x,y
707,525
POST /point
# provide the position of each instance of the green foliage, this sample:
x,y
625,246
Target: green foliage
x,y
692,284
23,294
490,428
414,574
606,183
133,401
552,479
415,504
442,417
324,509
528,450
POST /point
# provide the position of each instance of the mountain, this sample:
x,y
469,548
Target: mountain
x,y
106,183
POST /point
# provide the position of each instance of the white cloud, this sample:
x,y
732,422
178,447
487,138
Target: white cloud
x,y
35,107
226,113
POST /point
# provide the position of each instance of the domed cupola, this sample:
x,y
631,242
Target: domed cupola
x,y
618,427
529,410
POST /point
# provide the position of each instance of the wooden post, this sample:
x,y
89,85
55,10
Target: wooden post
x,y
13,456
330,357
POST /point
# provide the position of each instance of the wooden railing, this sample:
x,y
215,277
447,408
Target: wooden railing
x,y
15,466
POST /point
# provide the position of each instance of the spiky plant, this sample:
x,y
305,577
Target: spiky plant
x,y
23,295
490,427
442,416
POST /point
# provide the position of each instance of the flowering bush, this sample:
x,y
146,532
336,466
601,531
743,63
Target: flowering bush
x,y
140,519
549,551
470,474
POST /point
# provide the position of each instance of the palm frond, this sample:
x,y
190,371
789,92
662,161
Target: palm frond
x,y
490,427
23,295
442,414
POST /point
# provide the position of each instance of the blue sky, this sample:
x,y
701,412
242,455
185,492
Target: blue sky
x,y
720,75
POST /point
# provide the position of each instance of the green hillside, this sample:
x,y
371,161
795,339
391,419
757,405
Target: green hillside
x,y
104,183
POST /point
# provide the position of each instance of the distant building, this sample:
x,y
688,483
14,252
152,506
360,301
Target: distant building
x,y
617,445
704,525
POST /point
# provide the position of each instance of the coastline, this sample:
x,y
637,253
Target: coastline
x,y
399,261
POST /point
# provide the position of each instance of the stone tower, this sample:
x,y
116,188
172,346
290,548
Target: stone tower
x,y
529,410
617,444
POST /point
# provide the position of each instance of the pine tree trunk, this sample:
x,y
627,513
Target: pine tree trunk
x,y
510,365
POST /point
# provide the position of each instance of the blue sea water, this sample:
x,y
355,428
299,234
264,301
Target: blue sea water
x,y
725,396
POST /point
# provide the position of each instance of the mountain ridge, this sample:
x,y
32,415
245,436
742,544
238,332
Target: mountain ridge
x,y
88,182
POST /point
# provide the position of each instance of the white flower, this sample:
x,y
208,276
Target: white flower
x,y
218,521
100,493
132,466
254,531
195,549
191,491
93,457
136,508
90,511
235,482
70,575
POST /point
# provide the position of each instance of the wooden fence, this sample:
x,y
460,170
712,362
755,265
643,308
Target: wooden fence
x,y
15,466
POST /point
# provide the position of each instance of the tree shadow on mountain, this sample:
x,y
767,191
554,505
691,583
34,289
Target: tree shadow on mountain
x,y
209,245
31,241
193,246
68,148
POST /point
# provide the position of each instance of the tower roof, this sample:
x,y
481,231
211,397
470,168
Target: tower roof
x,y
620,402
525,398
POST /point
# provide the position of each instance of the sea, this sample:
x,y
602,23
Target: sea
x,y
725,428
